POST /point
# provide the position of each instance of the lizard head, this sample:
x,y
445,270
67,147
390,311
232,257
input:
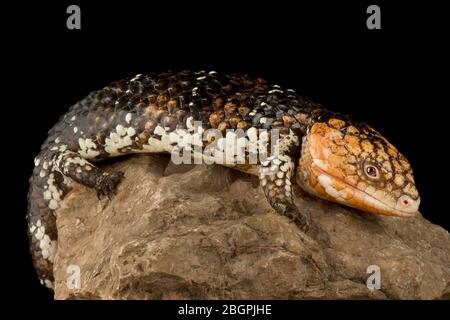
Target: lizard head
x,y
354,165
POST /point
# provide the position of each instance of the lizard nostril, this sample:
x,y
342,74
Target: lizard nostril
x,y
407,204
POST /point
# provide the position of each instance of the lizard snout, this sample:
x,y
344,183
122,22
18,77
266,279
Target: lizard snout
x,y
407,204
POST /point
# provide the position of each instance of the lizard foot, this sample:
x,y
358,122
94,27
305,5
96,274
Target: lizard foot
x,y
302,219
107,183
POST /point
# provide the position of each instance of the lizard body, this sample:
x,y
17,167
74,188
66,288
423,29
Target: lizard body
x,y
325,153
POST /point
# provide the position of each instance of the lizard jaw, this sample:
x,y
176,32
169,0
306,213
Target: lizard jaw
x,y
338,190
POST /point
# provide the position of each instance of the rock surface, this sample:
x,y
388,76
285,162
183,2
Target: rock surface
x,y
207,232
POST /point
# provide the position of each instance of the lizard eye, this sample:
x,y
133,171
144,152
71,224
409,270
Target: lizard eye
x,y
371,171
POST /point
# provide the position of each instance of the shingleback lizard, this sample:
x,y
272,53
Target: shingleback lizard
x,y
325,153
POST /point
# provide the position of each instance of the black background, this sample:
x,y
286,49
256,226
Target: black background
x,y
395,79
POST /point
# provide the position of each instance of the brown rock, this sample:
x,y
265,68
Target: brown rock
x,y
207,232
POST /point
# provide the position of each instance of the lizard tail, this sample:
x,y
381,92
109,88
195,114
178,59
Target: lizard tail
x,y
44,196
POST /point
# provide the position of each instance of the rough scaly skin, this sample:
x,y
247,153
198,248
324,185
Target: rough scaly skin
x,y
325,153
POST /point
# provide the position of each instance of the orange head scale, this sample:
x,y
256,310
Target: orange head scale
x,y
352,164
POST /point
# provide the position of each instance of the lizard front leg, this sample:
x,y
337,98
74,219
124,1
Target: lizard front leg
x,y
275,177
72,165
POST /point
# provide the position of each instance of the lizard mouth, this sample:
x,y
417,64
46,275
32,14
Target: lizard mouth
x,y
361,199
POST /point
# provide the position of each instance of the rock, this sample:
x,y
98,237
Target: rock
x,y
207,232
